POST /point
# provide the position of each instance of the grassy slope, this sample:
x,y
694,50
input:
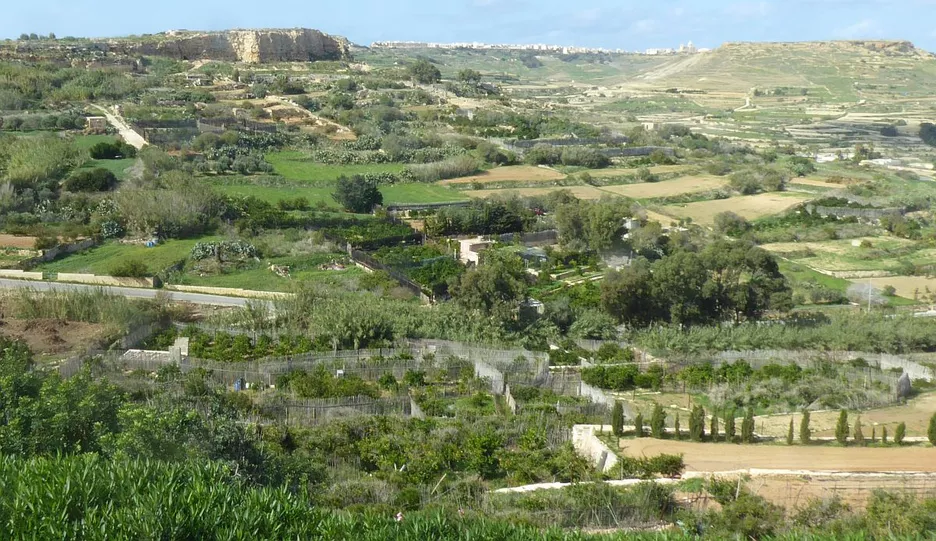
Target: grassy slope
x,y
102,259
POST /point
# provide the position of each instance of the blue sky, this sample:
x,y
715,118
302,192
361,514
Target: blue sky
x,y
595,23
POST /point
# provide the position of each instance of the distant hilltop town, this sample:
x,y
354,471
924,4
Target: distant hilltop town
x,y
558,49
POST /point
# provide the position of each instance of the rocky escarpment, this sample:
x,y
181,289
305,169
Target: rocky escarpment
x,y
253,46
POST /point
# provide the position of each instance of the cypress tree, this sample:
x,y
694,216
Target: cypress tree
x,y
657,422
859,435
747,426
900,433
931,430
873,434
617,419
789,434
696,424
841,428
676,427
884,435
713,428
639,425
804,432
729,425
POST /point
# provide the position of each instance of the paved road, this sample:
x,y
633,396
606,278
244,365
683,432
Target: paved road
x,y
131,137
129,292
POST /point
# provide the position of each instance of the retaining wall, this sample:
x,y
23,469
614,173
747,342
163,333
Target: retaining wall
x,y
587,444
61,249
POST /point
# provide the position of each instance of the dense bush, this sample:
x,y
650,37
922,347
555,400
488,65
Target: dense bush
x,y
130,268
112,150
91,180
320,383
458,166
357,194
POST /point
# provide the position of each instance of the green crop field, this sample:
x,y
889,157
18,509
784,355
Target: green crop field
x,y
102,259
273,194
85,142
296,166
402,194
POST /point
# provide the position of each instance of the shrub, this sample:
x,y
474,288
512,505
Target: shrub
x,y
91,180
900,433
130,268
639,425
45,243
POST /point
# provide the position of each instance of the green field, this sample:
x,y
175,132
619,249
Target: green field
x,y
84,142
296,166
117,167
799,275
402,194
102,259
273,194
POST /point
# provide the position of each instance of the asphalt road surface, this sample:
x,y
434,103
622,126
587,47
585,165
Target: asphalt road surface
x,y
129,292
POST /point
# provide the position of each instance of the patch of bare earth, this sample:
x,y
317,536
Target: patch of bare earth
x,y
512,173
52,337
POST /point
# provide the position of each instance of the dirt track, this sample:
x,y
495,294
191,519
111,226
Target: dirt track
x,y
724,457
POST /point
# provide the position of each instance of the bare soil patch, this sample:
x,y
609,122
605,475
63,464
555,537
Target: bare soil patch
x,y
727,457
582,192
656,170
907,287
511,173
816,182
14,241
748,206
51,337
667,188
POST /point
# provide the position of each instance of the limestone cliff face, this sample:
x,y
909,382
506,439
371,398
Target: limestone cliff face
x,y
253,46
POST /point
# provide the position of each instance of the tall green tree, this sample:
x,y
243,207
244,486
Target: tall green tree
x,y
841,428
658,422
858,434
424,72
789,435
730,425
747,426
639,425
496,288
617,419
900,433
713,428
357,194
931,430
697,424
884,435
676,428
804,431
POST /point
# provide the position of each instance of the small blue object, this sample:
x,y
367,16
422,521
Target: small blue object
x,y
239,384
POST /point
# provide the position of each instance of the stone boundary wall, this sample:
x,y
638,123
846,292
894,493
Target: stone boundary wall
x,y
228,291
94,279
20,274
61,249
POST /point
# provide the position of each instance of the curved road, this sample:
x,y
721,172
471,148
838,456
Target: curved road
x,y
129,292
